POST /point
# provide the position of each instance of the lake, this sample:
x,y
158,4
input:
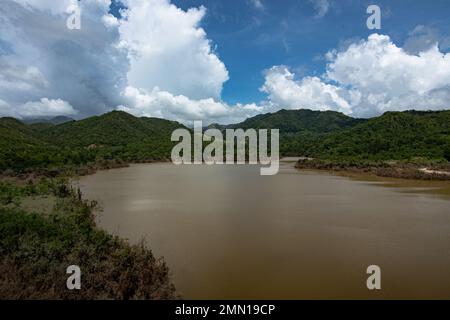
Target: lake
x,y
228,233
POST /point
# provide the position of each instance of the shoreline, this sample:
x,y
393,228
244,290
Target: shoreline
x,y
120,270
34,174
385,169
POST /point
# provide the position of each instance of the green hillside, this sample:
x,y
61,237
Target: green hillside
x,y
300,130
296,121
114,136
116,128
332,135
120,137
14,133
394,135
21,148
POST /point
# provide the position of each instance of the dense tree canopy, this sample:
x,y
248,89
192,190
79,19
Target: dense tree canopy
x,y
329,135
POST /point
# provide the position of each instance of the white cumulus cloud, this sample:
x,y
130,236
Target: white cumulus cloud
x,y
308,93
41,58
168,49
366,79
163,104
42,108
157,48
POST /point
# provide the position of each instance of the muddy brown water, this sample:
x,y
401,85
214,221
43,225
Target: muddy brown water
x,y
228,233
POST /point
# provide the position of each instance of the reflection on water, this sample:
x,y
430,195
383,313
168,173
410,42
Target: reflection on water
x,y
227,232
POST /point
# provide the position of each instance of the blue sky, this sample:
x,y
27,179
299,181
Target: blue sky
x,y
289,32
221,60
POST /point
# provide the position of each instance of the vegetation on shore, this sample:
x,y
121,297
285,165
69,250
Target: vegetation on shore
x,y
37,245
117,138
419,169
410,144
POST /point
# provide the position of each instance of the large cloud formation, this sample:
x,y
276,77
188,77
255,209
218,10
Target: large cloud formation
x,y
367,79
174,72
156,60
44,59
169,50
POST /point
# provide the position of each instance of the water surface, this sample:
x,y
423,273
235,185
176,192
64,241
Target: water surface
x,y
227,232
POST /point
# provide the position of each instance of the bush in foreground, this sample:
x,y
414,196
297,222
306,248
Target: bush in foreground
x,y
36,249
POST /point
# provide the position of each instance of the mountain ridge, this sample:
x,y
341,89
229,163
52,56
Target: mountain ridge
x,y
120,136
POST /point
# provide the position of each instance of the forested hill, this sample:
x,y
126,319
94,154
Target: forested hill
x,y
116,128
295,121
119,136
333,135
394,135
114,136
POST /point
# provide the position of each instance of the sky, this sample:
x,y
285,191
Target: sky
x,y
222,61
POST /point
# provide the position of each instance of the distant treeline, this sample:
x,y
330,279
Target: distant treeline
x,y
117,137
